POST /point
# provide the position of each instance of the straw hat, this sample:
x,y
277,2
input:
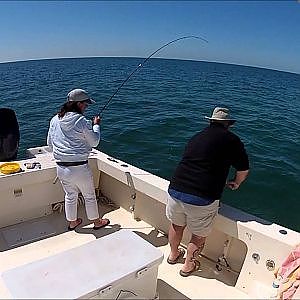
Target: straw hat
x,y
221,114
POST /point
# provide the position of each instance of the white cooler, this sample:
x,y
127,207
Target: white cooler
x,y
121,265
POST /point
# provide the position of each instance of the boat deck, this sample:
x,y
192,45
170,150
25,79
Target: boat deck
x,y
36,239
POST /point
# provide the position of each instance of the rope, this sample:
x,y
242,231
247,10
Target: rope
x,y
103,200
59,206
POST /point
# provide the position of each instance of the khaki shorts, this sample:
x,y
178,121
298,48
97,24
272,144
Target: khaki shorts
x,y
198,219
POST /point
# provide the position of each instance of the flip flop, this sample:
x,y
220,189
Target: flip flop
x,y
188,273
175,261
72,228
98,227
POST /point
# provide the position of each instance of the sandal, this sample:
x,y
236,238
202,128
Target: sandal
x,y
79,220
175,261
196,268
107,222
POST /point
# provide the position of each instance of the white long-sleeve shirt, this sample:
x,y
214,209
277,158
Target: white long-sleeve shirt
x,y
72,137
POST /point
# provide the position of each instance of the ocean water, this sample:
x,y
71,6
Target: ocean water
x,y
149,121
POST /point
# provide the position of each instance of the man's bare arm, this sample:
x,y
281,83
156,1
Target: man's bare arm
x,y
240,176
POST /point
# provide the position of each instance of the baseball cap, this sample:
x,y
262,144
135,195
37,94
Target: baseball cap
x,y
79,95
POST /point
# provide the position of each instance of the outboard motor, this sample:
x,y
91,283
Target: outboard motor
x,y
9,135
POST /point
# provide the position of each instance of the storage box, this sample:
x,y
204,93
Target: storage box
x,y
118,266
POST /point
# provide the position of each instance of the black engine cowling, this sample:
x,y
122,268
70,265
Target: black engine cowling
x,y
9,135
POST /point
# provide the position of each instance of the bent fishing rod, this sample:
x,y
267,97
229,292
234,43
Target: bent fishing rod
x,y
145,60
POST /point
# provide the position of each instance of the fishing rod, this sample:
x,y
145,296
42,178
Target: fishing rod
x,y
146,59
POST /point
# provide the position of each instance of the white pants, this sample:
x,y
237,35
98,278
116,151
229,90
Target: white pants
x,y
77,179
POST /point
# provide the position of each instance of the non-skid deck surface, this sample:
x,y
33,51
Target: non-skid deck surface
x,y
52,238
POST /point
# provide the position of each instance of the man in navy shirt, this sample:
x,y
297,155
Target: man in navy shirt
x,y
198,182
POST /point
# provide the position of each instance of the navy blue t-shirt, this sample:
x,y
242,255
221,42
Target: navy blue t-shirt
x,y
206,161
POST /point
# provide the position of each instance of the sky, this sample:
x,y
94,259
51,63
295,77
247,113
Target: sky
x,y
255,33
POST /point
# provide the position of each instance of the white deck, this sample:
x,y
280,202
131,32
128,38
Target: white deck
x,y
207,283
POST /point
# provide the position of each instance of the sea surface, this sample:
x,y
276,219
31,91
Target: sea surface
x,y
162,106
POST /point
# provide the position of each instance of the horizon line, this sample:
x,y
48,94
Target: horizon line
x,y
184,59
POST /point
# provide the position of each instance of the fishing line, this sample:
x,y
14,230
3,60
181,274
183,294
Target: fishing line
x,y
142,64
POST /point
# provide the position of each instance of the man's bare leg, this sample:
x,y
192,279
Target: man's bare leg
x,y
175,236
194,248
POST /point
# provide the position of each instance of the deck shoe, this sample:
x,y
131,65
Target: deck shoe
x,y
72,228
175,261
101,226
188,273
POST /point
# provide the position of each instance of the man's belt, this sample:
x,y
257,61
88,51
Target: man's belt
x,y
71,163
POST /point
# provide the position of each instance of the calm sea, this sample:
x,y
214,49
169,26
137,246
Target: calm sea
x,y
150,120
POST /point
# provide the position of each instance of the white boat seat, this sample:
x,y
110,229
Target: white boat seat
x,y
106,267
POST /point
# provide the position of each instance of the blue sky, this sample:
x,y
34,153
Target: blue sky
x,y
257,33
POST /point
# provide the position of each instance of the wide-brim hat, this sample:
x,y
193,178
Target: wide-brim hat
x,y
79,95
221,114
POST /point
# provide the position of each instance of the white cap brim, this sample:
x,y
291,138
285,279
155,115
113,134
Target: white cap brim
x,y
91,101
217,119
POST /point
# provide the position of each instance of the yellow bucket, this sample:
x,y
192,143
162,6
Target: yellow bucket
x,y
10,168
